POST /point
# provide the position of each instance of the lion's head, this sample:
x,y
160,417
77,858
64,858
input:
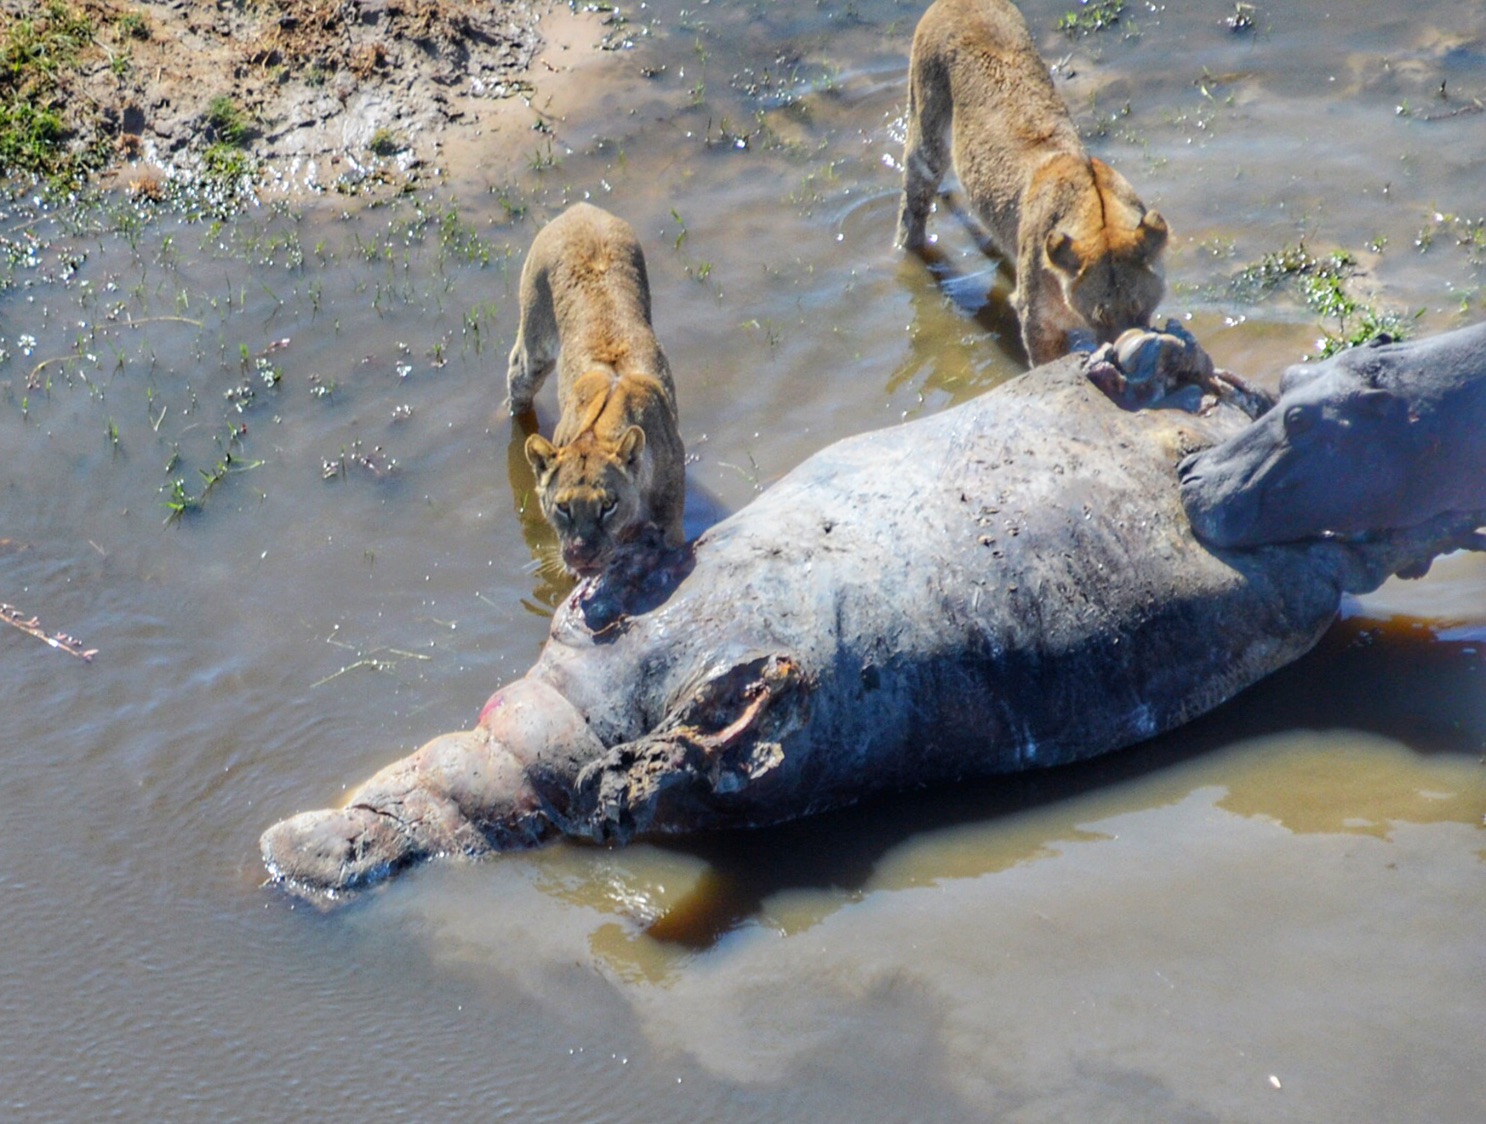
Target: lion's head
x,y
590,494
1111,274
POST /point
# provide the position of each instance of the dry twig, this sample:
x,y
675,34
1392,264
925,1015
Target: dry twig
x,y
60,640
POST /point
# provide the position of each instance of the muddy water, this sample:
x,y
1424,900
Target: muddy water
x,y
1275,914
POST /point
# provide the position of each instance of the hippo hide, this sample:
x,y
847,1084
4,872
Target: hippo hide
x,y
1009,584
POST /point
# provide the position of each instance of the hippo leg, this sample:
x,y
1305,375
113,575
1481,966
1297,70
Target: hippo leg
x,y
414,809
467,793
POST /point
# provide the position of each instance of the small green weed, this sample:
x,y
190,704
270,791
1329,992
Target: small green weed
x,y
385,142
229,124
1091,16
133,25
1468,234
227,173
178,500
1323,284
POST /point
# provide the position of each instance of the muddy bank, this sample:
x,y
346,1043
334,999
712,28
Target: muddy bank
x,y
307,95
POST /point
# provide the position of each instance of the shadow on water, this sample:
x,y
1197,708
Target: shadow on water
x,y
943,295
1395,680
550,580
980,290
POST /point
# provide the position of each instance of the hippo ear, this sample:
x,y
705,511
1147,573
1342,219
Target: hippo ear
x,y
631,445
540,454
1060,252
1298,374
1153,231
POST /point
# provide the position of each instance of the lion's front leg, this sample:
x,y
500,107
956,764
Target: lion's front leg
x,y
926,154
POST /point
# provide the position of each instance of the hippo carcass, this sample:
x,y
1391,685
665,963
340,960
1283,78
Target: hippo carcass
x,y
1382,437
1011,583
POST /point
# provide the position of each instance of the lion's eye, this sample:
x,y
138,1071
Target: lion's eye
x,y
608,508
564,512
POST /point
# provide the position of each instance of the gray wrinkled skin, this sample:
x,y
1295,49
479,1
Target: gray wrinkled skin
x,y
1384,437
1010,584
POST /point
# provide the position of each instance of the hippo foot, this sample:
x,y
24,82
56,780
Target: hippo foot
x,y
323,854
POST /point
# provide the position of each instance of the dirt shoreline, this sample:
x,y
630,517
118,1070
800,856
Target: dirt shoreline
x,y
320,95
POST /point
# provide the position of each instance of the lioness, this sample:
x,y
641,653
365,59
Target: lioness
x,y
617,464
1087,251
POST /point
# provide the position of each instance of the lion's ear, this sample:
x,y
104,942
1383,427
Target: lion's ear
x,y
1153,232
631,444
540,454
1060,252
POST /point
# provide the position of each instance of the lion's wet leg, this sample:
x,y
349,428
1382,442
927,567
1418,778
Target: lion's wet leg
x,y
926,153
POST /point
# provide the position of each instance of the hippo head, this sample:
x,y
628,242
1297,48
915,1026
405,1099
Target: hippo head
x,y
1333,456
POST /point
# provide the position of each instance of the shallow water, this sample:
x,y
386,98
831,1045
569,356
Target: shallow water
x,y
1273,914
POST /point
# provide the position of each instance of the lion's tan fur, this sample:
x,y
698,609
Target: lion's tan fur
x,y
1086,250
616,462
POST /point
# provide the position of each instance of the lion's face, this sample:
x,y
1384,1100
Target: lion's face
x,y
589,494
1113,280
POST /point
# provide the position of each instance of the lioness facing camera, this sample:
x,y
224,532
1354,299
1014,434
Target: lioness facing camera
x,y
1087,252
616,462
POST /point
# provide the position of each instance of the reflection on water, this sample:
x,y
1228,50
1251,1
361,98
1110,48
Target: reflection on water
x,y
1289,888
691,893
552,581
1346,782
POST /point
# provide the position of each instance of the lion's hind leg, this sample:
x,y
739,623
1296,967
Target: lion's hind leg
x,y
537,342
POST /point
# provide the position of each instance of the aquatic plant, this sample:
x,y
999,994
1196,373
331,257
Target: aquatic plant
x,y
1091,16
1323,284
1245,17
1468,234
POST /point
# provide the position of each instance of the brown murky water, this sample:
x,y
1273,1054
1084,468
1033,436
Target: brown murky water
x,y
1276,914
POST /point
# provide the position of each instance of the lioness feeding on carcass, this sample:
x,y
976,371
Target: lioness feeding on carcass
x,y
1087,252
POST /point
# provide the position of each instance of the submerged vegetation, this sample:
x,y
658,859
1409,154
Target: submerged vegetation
x,y
1324,284
198,375
1091,16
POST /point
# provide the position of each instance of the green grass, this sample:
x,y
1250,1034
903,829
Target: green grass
x,y
227,173
134,25
34,131
385,142
228,123
1091,16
